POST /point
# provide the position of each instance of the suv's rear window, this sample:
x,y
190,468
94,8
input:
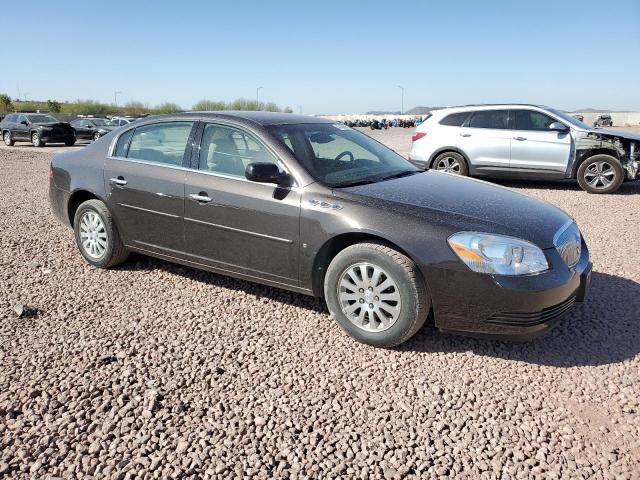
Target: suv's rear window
x,y
455,119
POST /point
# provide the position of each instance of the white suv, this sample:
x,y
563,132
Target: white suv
x,y
525,141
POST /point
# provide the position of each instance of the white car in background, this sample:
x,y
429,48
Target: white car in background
x,y
525,141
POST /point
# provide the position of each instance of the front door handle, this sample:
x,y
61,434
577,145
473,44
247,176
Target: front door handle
x,y
465,134
520,139
118,181
200,197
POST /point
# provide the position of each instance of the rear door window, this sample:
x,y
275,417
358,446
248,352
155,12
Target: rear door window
x,y
494,119
160,142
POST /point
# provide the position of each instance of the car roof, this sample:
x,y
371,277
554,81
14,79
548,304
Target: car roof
x,y
261,118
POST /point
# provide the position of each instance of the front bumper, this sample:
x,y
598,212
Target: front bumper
x,y
517,308
57,137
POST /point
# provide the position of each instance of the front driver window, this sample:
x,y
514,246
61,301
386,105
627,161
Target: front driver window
x,y
531,120
228,151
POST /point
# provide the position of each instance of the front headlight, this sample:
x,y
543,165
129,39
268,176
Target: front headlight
x,y
498,254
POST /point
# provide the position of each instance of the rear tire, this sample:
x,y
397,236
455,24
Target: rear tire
x,y
8,141
376,294
97,235
36,140
451,162
70,143
600,174
96,136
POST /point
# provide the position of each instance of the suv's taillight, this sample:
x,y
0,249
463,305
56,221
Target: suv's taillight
x,y
418,136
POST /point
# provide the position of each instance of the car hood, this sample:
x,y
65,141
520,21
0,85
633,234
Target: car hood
x,y
617,133
463,204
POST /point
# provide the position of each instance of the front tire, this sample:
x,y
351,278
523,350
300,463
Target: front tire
x,y
600,174
376,294
36,140
70,143
451,162
8,141
97,235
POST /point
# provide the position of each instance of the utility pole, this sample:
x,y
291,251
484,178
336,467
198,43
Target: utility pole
x,y
401,99
115,98
258,97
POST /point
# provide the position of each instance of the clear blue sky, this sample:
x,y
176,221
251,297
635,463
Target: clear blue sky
x,y
326,56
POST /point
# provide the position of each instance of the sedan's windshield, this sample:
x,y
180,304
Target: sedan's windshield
x,y
568,118
339,156
40,118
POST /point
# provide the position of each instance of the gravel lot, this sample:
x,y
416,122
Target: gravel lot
x,y
153,370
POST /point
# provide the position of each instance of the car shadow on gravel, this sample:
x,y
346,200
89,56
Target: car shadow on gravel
x,y
604,330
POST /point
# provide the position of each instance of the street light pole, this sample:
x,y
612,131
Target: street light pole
x,y
258,97
115,98
401,99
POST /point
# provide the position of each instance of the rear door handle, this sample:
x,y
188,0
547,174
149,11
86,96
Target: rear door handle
x,y
520,139
465,134
118,181
200,197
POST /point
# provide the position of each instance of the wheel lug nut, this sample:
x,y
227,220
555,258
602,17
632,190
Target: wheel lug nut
x,y
371,305
362,300
371,289
377,298
362,290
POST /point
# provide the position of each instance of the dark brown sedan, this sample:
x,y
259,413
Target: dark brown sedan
x,y
319,208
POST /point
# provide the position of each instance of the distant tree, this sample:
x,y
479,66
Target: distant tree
x,y
54,106
136,108
209,105
5,101
271,107
288,110
87,107
167,107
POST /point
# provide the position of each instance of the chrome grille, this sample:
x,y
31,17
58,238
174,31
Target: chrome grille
x,y
568,242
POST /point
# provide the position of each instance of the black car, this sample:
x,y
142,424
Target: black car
x,y
92,128
319,208
37,128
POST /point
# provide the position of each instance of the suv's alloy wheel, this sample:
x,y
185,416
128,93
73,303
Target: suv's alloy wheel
x,y
36,140
8,141
450,162
600,174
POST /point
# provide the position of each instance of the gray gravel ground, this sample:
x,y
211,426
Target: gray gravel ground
x,y
153,370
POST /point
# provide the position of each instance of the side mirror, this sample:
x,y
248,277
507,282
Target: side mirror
x,y
266,173
558,127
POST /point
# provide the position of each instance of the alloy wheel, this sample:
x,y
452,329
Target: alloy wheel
x,y
369,297
93,235
448,165
600,175
7,139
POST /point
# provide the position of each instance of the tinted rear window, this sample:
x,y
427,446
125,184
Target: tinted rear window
x,y
496,119
455,119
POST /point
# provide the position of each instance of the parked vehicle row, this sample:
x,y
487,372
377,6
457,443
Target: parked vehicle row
x,y
41,128
316,207
526,141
